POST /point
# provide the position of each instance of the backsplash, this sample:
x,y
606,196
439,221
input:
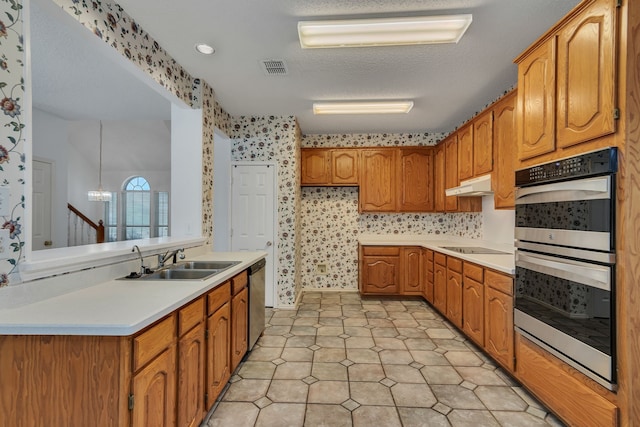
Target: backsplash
x,y
331,222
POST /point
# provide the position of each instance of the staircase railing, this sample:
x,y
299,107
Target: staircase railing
x,y
81,229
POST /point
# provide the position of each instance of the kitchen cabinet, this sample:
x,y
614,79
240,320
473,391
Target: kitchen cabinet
x,y
454,291
329,167
473,302
439,178
218,341
153,392
498,308
483,143
567,84
428,271
239,318
415,180
411,281
504,139
451,172
378,181
191,364
465,153
379,270
440,282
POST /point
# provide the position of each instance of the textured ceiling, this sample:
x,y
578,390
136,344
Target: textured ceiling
x,y
448,82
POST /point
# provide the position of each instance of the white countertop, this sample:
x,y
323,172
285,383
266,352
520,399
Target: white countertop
x,y
116,307
499,262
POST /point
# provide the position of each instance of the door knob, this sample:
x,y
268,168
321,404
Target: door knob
x,y
269,243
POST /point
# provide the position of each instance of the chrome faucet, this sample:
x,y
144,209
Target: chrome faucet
x,y
169,254
143,268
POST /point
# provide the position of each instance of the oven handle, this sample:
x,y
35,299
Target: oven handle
x,y
582,189
587,274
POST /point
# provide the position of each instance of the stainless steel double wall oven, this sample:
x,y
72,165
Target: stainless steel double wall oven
x,y
565,260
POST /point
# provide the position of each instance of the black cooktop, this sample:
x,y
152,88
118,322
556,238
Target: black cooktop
x,y
474,250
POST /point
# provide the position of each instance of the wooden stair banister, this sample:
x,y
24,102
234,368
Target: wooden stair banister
x,y
99,227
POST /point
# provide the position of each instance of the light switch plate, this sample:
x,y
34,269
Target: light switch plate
x,y
5,202
5,244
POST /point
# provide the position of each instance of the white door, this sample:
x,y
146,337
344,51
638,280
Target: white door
x,y
41,205
252,216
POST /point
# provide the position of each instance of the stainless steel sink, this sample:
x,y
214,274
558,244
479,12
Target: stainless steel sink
x,y
205,265
180,274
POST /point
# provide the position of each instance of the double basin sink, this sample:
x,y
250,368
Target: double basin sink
x,y
190,270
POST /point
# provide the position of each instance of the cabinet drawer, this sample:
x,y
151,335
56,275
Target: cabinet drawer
x,y
500,282
153,341
454,264
440,259
239,282
217,297
474,272
190,316
381,250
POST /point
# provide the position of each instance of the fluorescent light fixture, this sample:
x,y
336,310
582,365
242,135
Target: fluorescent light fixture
x,y
204,49
362,107
383,32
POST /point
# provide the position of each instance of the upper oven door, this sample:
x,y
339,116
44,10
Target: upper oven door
x,y
577,213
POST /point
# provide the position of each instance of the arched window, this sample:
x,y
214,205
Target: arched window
x,y
137,208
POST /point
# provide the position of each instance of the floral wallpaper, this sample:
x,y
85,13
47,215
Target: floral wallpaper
x,y
331,223
12,139
112,24
208,128
223,120
277,139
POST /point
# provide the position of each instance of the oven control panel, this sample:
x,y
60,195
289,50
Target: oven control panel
x,y
589,164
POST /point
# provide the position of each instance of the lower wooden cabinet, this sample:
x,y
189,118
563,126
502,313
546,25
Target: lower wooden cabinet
x,y
218,352
191,365
440,282
498,318
428,274
411,282
154,392
379,270
454,291
239,327
473,302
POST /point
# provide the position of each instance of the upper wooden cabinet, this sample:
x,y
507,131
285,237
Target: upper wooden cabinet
x,y
465,153
415,180
504,141
451,171
567,84
439,178
329,167
378,181
483,143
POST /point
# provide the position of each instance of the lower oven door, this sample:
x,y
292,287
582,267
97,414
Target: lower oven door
x,y
567,307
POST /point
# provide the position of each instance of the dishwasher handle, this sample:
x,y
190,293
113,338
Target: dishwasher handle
x,y
257,266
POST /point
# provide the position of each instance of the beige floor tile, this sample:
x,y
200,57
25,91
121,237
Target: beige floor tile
x,y
370,393
264,354
368,416
327,416
329,371
419,343
272,341
292,371
247,390
334,392
331,313
359,342
288,391
413,395
305,321
463,358
422,417
277,330
440,333
441,375
257,370
281,414
281,321
237,414
355,321
362,355
405,323
412,332
366,372
518,419
357,331
429,358
300,341
450,344
308,313
303,330
324,355
330,342
390,343
497,398
466,418
293,354
395,357
479,376
330,330
384,332
457,397
330,321
403,374
381,323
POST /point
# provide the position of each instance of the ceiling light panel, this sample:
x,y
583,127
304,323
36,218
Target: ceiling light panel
x,y
383,32
364,107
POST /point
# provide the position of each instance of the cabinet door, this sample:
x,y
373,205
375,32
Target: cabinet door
x,y
378,183
415,180
239,327
536,101
344,167
499,326
411,271
428,279
380,275
451,172
154,392
439,178
473,310
483,144
504,138
586,75
465,153
454,297
191,367
314,167
218,352
440,288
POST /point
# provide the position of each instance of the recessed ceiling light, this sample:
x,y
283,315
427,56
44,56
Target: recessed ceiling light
x,y
363,107
205,49
383,32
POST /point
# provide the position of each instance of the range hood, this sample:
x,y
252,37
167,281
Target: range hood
x,y
479,186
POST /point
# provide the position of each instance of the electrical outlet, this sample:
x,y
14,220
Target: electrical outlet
x,y
321,268
5,244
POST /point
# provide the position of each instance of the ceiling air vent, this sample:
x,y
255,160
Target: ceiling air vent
x,y
274,67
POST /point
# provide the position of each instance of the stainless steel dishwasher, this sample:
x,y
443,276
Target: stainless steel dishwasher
x,y
256,301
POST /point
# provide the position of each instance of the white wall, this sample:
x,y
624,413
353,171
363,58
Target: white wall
x,y
498,225
221,191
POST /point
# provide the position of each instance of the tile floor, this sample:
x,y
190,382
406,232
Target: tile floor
x,y
340,360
